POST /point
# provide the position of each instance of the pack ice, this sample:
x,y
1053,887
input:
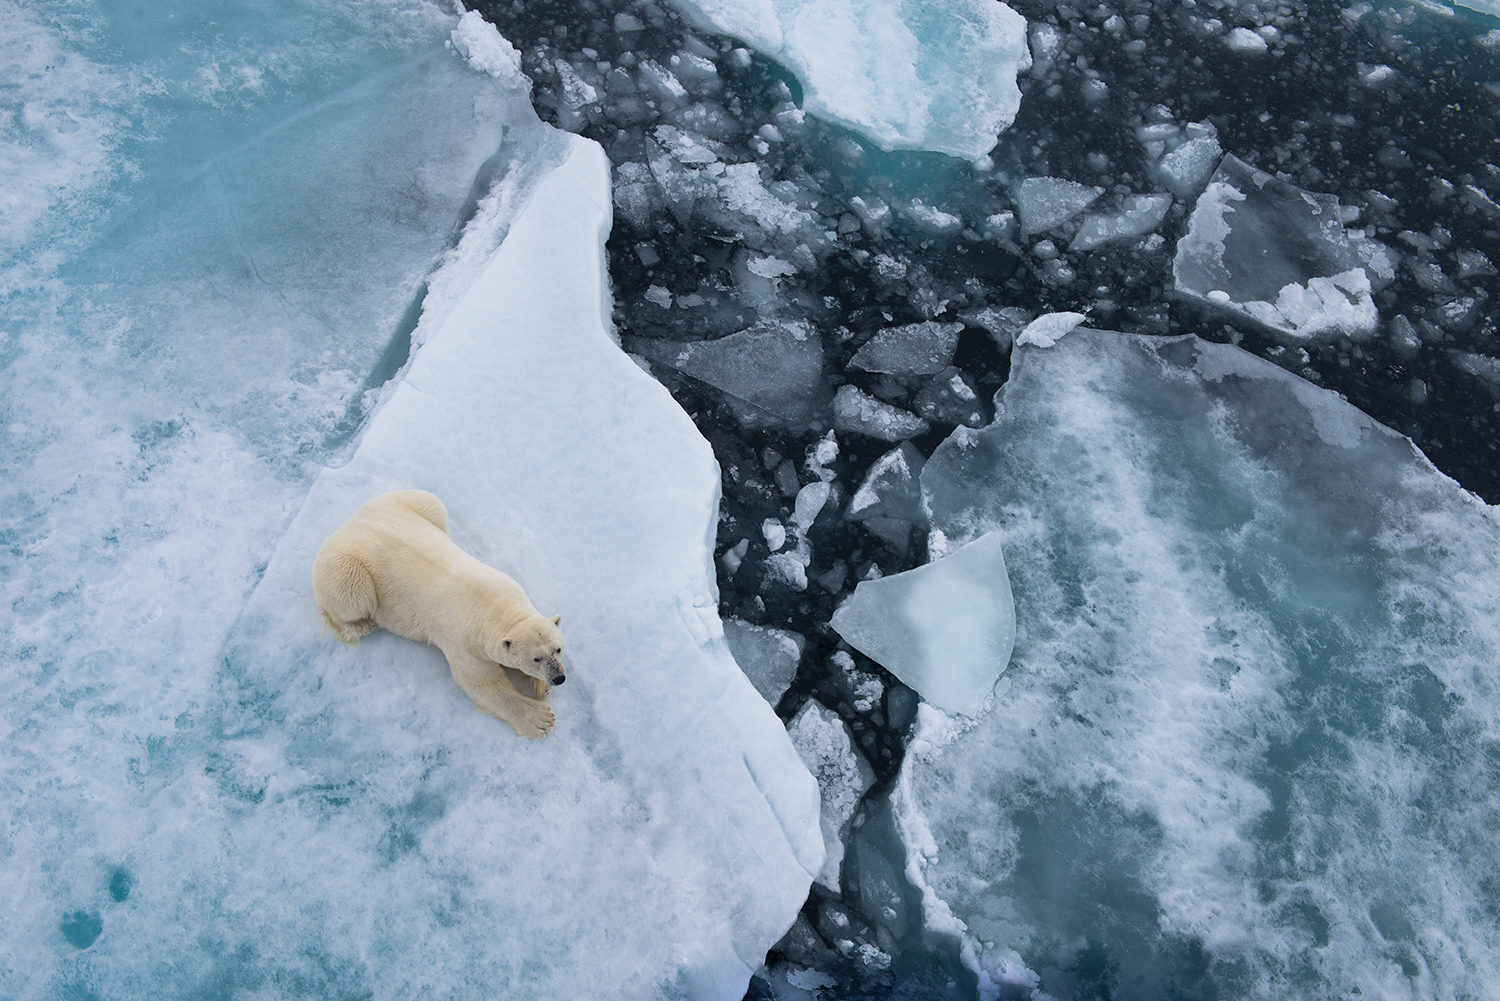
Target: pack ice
x,y
1279,256
906,74
205,793
1247,743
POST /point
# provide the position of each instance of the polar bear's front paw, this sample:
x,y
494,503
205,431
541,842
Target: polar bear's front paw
x,y
542,688
534,720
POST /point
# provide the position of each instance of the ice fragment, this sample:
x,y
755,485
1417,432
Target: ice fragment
x,y
913,349
855,410
945,629
1045,202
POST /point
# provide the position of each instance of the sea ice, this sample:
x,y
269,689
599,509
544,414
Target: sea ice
x,y
560,481
907,74
771,372
768,656
1269,252
858,411
1247,742
945,629
1046,202
844,776
204,793
891,488
913,349
1136,216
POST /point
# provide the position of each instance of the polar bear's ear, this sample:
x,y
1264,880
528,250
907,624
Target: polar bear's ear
x,y
557,620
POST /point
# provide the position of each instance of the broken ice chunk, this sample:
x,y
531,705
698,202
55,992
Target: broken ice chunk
x,y
854,410
769,657
827,748
1277,255
907,74
891,488
945,629
1245,42
1137,216
1045,202
950,398
1047,329
913,349
1002,323
771,372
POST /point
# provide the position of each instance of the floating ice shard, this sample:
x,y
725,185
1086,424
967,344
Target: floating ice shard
x,y
844,776
908,74
945,629
769,657
890,488
1269,252
1253,682
858,411
913,349
1045,202
772,371
1137,216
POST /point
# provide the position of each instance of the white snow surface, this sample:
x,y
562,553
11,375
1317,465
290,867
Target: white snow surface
x,y
907,74
202,787
585,481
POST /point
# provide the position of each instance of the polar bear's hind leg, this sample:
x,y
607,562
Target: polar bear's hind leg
x,y
423,503
345,592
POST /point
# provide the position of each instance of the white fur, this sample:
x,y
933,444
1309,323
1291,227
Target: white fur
x,y
393,566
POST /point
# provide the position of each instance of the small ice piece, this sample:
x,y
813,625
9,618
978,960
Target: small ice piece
x,y
1047,329
1002,323
891,488
1245,42
775,533
1045,202
1185,170
945,629
907,74
844,776
932,220
950,398
912,349
1280,254
1137,216
769,657
855,410
772,370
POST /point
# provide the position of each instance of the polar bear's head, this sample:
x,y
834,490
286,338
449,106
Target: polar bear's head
x,y
535,647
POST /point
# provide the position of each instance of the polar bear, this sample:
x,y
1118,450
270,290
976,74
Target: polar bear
x,y
393,566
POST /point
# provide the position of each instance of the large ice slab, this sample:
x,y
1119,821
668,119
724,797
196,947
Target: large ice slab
x,y
1269,252
191,813
1247,744
669,791
945,629
907,74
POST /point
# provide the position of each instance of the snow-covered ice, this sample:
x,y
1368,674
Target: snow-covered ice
x,y
203,792
1252,693
945,629
906,74
1275,254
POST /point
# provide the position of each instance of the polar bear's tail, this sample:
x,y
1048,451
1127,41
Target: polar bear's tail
x,y
344,590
